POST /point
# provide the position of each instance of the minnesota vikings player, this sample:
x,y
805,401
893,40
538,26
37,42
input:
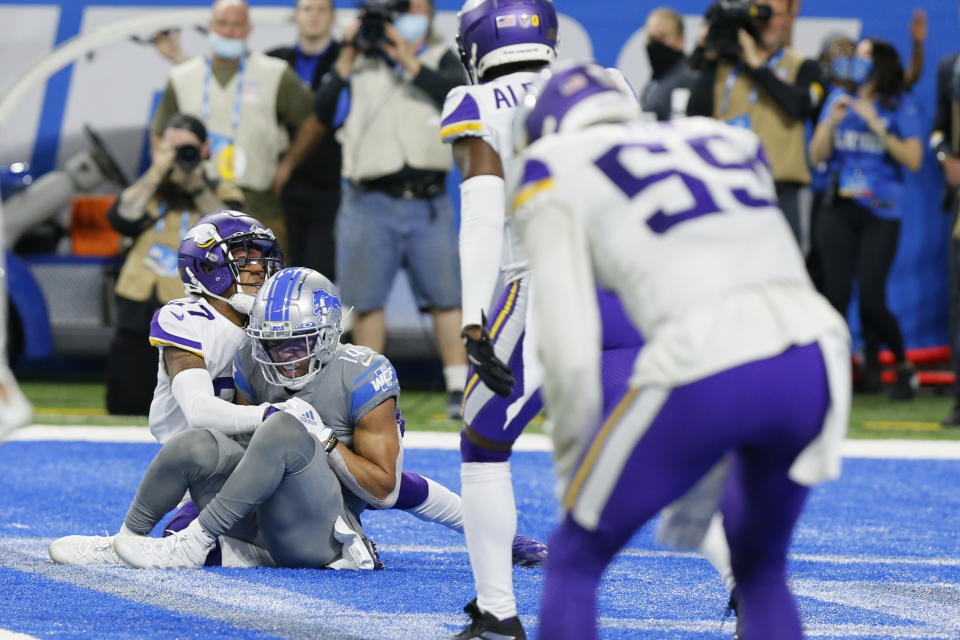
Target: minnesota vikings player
x,y
223,260
15,409
745,369
503,43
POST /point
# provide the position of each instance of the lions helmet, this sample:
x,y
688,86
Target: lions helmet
x,y
498,32
295,322
206,256
570,96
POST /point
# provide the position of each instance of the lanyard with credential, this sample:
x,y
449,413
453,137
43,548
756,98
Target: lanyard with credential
x,y
238,98
162,219
732,80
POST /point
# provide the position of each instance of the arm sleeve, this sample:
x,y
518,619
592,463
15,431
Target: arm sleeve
x,y
559,255
799,100
482,216
328,96
438,83
294,101
193,389
701,95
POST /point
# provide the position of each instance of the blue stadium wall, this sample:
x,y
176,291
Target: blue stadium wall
x,y
612,31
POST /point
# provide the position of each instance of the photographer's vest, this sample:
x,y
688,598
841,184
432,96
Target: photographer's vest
x,y
741,102
391,123
245,138
151,264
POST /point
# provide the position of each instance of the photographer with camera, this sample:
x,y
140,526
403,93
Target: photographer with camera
x,y
751,78
395,211
155,212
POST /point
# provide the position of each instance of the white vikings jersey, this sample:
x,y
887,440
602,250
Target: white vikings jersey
x,y
681,221
486,111
193,325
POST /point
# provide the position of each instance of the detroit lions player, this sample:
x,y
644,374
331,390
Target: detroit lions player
x,y
223,260
293,360
503,43
745,364
346,431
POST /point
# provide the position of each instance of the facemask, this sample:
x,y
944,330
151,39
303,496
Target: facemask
x,y
853,69
412,26
860,70
226,48
841,69
662,58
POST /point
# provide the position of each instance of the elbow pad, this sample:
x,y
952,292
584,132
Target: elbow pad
x,y
193,389
483,209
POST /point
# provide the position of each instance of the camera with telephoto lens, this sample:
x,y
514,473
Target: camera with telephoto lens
x,y
374,16
726,18
187,157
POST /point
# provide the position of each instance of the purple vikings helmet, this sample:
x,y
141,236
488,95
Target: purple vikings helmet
x,y
570,96
207,265
498,32
295,322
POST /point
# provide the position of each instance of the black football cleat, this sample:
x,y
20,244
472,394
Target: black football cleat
x,y
485,626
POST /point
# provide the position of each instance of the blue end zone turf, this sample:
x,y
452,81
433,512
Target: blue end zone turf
x,y
876,555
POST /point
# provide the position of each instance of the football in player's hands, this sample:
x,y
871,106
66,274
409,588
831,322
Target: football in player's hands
x,y
302,411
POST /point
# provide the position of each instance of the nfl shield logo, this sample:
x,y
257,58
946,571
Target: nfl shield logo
x,y
524,20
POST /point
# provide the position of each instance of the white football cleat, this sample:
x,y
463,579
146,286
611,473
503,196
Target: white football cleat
x,y
185,549
84,550
15,409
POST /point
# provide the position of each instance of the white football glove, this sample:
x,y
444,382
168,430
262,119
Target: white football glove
x,y
310,419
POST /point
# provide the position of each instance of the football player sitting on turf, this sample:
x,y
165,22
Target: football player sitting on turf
x,y
206,457
746,367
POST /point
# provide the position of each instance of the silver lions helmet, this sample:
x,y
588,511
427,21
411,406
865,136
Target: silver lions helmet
x,y
295,322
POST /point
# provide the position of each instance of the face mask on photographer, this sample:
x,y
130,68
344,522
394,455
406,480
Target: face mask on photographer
x,y
412,27
853,69
662,58
226,48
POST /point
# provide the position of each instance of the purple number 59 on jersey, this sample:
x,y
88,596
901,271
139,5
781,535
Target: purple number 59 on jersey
x,y
704,204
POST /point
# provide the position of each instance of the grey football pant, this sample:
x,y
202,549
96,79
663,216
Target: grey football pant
x,y
278,493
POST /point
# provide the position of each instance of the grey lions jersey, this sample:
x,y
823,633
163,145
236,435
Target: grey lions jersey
x,y
355,381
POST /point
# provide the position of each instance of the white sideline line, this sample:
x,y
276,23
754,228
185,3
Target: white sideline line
x,y
13,635
886,449
818,558
279,611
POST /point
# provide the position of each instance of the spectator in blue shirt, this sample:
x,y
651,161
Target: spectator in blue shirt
x,y
869,132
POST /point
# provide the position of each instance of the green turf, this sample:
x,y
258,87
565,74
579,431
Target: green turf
x,y
873,416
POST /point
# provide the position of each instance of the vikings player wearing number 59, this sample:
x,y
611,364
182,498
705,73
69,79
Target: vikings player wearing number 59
x,y
503,44
745,365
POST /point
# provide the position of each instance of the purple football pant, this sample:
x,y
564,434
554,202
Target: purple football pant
x,y
502,420
765,412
